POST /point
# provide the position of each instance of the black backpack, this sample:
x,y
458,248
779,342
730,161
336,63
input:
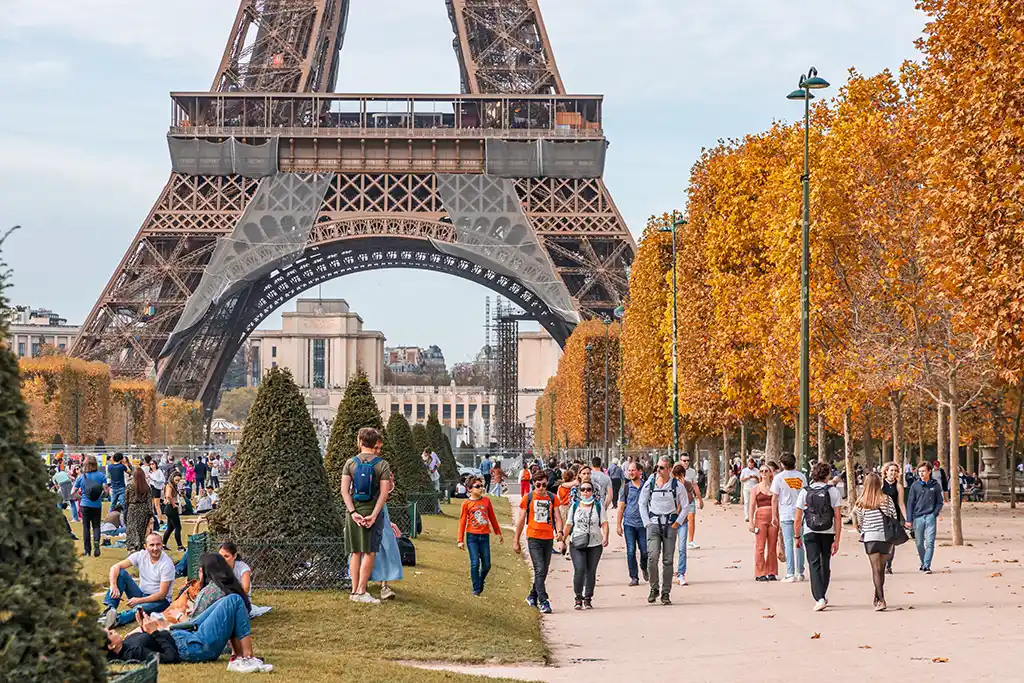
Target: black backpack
x,y
819,516
407,551
92,489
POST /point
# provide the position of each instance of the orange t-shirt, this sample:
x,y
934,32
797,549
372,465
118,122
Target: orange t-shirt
x,y
565,493
477,517
525,476
540,520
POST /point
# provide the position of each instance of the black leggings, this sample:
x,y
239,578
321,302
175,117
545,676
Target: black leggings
x,y
91,537
173,524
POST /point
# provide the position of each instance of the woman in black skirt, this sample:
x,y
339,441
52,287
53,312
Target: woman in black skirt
x,y
870,512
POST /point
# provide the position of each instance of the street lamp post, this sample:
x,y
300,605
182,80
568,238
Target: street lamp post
x,y
163,404
76,396
607,324
807,83
620,314
586,383
677,222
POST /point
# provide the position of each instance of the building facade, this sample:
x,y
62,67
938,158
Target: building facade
x,y
538,355
30,330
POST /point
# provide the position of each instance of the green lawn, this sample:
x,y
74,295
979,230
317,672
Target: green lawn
x,y
321,636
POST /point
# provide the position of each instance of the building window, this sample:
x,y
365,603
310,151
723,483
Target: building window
x,y
35,349
407,409
21,349
446,411
486,412
273,352
421,411
460,411
319,372
254,372
472,410
394,408
60,346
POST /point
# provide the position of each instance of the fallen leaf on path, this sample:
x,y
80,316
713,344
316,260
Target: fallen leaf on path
x,y
995,575
732,566
864,647
767,616
947,602
940,660
815,636
766,609
908,592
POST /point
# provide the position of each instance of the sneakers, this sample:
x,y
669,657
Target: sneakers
x,y
365,598
579,604
880,605
531,601
647,577
387,594
789,579
761,578
772,577
545,607
927,570
652,596
801,577
820,605
587,604
249,665
109,618
665,600
692,546
634,582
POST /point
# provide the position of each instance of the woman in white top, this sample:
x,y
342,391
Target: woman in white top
x,y
871,509
586,531
243,572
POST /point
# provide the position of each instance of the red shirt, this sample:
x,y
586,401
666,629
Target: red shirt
x,y
477,517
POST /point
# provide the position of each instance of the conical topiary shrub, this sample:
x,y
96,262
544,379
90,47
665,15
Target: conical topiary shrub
x,y
435,440
399,450
357,410
278,487
419,438
48,629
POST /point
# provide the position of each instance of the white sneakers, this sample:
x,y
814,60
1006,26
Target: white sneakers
x,y
249,665
820,605
692,546
801,577
386,593
681,580
365,598
793,579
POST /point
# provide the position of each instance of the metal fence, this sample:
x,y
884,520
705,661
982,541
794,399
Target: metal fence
x,y
140,673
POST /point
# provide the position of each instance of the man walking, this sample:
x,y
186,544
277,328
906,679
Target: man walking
x,y
615,474
631,524
819,517
115,477
485,469
601,482
662,500
786,487
691,510
201,470
540,514
924,503
365,485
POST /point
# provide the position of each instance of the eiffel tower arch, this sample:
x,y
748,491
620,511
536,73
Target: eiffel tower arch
x,y
279,184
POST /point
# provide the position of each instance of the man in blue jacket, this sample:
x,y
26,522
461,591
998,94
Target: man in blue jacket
x,y
923,507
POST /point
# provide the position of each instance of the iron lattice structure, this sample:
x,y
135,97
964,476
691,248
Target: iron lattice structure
x,y
501,185
508,430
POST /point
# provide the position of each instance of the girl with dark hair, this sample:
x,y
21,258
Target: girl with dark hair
x,y
242,571
139,512
171,509
217,580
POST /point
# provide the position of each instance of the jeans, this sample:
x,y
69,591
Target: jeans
x,y
540,555
924,537
794,556
636,539
91,518
117,496
681,533
74,510
584,562
661,545
819,559
129,589
226,619
181,568
479,547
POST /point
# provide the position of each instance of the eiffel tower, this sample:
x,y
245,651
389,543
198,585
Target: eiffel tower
x,y
279,184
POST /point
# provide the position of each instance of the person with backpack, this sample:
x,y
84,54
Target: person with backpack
x,y
91,485
586,531
476,522
662,500
631,524
365,484
541,515
819,515
786,487
554,474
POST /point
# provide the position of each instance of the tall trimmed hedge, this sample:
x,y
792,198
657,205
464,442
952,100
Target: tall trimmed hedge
x,y
278,486
48,629
358,409
419,438
406,463
436,441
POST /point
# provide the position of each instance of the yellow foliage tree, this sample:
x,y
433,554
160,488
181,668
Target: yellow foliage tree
x,y
571,402
179,421
57,389
132,407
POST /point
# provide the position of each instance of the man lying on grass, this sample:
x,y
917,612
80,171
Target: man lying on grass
x,y
199,641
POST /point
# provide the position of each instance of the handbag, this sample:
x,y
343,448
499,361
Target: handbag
x,y
895,533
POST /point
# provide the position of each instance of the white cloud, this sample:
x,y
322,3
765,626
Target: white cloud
x,y
43,71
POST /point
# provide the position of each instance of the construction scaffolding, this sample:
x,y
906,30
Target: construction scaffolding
x,y
508,432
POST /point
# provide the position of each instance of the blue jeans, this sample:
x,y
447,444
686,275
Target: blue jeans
x,y
226,619
181,568
681,534
129,589
117,496
924,537
636,538
479,547
794,556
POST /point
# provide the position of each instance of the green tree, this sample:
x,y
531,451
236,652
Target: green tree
x,y
400,451
236,404
278,486
48,628
419,438
358,409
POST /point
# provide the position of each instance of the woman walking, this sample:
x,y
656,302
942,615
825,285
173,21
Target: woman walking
x,y
89,488
171,510
140,511
157,481
871,509
766,533
497,477
586,528
892,486
524,479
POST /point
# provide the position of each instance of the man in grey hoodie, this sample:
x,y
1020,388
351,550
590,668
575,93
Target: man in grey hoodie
x,y
662,500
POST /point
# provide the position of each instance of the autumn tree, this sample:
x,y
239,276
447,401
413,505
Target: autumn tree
x,y
235,404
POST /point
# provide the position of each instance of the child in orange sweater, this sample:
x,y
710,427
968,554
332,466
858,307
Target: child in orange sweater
x,y
475,524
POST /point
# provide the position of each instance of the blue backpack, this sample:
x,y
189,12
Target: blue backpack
x,y
363,480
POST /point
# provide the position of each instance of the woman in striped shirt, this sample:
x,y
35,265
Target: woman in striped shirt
x,y
869,511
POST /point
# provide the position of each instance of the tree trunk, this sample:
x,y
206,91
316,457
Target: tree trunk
x,y
851,478
954,464
714,471
941,450
869,446
689,443
886,455
774,432
896,407
821,435
727,454
1013,449
920,434
744,453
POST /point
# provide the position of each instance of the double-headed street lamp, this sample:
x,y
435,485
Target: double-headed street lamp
x,y
607,322
807,83
586,383
677,223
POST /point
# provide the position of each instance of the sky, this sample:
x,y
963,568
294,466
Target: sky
x,y
85,109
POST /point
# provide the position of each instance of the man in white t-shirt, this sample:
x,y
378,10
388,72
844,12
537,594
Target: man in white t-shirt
x,y
748,480
152,591
818,513
786,488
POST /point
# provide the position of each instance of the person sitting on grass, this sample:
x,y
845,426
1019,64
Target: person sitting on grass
x,y
156,576
242,572
113,524
202,640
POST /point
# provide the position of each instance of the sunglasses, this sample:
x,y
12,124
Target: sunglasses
x,y
662,467
586,489
477,486
540,483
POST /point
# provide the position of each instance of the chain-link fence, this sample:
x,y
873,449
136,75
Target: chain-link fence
x,y
427,502
135,673
284,564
